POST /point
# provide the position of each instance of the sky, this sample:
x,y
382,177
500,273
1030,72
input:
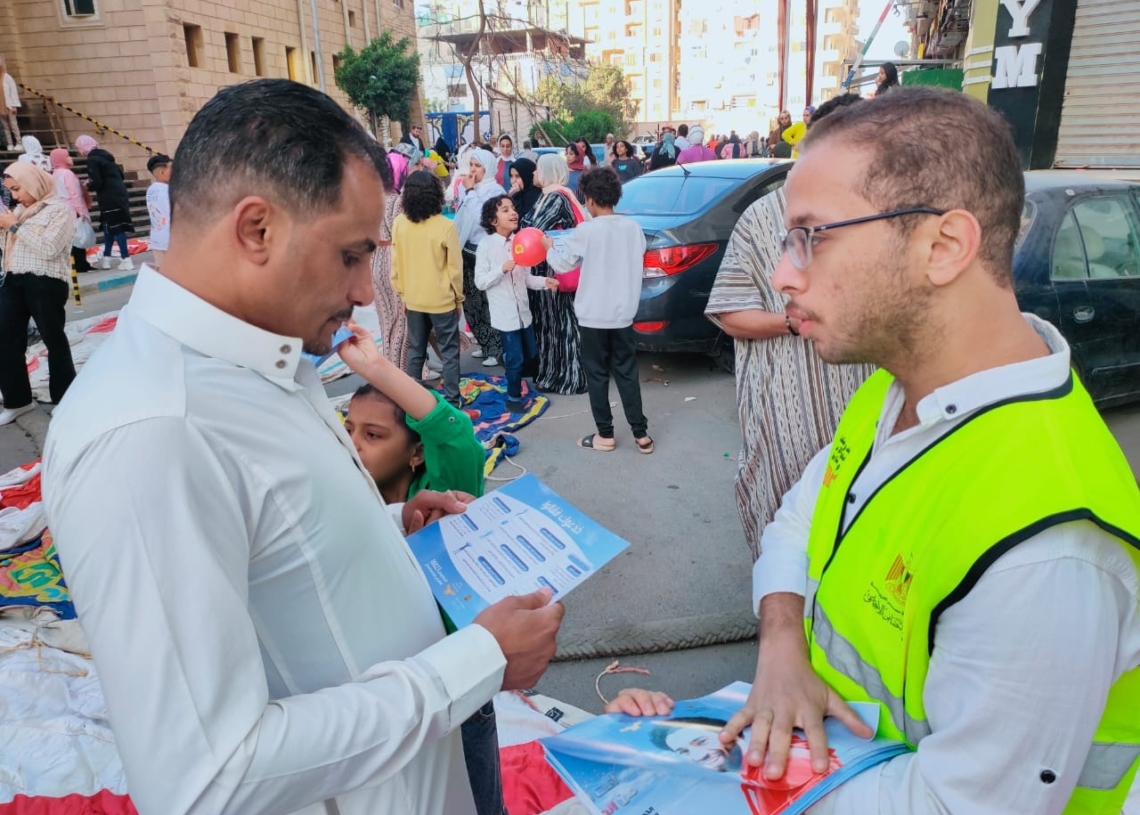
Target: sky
x,y
891,32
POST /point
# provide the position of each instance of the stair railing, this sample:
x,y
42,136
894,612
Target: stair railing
x,y
50,103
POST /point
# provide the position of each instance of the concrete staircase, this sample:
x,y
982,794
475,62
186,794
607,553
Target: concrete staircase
x,y
34,121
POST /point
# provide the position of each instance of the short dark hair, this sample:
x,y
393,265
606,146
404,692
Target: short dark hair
x,y
271,137
490,210
602,185
683,129
422,197
782,150
919,139
833,104
660,731
368,391
156,161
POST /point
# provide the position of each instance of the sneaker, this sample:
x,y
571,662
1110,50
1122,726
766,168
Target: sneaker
x,y
433,365
477,353
429,376
19,148
11,147
104,262
490,362
8,415
126,265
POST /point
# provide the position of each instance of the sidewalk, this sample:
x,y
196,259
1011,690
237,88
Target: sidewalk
x,y
104,280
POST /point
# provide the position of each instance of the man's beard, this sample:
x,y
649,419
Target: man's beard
x,y
323,345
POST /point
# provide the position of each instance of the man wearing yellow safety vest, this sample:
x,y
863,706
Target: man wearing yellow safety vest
x,y
967,551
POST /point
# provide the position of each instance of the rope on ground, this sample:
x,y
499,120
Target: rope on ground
x,y
613,668
510,461
625,639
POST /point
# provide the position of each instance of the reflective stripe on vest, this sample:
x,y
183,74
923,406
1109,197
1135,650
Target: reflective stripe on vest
x,y
1107,765
844,658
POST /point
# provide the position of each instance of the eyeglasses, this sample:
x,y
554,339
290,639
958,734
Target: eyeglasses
x,y
799,239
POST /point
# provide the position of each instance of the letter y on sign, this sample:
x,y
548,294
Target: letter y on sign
x,y
1020,10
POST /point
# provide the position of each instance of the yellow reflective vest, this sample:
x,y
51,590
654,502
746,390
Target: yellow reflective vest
x,y
922,541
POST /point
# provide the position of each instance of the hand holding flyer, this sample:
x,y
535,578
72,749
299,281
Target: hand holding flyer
x,y
513,541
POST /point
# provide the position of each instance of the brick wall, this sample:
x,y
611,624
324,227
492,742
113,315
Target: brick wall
x,y
129,67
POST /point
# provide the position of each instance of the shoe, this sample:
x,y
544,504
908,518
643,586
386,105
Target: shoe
x,y
19,148
126,265
9,415
432,365
490,362
11,148
477,353
515,406
429,376
104,262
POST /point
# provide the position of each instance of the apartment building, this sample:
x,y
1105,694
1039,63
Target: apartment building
x,y
145,67
641,36
522,42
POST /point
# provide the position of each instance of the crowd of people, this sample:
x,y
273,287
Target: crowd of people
x,y
892,398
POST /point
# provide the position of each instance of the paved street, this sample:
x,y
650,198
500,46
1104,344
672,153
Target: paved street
x,y
687,570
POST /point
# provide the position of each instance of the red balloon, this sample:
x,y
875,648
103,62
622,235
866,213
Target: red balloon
x,y
527,248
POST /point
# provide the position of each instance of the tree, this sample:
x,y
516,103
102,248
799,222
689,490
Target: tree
x,y
591,125
382,77
602,90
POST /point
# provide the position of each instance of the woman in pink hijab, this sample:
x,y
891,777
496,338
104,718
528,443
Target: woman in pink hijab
x,y
71,192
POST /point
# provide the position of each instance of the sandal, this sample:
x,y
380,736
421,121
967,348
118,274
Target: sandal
x,y
644,448
587,443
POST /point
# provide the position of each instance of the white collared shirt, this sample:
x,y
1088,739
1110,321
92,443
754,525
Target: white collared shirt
x,y
506,291
265,640
1005,700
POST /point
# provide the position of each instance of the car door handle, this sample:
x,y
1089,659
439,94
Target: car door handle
x,y
1083,314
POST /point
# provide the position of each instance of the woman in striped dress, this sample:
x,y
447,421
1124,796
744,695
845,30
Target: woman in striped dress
x,y
555,326
788,398
389,307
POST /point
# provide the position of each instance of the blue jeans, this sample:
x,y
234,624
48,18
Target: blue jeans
x,y
481,754
518,347
109,242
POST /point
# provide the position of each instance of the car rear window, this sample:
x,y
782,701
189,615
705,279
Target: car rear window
x,y
672,194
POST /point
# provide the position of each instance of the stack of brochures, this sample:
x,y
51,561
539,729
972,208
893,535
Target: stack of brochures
x,y
676,764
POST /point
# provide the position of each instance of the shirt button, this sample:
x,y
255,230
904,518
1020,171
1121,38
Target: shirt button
x,y
1048,776
285,349
281,363
851,499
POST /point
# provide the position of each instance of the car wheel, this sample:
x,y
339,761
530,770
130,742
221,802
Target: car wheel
x,y
724,353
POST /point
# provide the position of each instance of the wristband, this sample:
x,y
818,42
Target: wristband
x,y
788,323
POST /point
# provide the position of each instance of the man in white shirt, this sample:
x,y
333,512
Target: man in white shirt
x,y
265,640
919,562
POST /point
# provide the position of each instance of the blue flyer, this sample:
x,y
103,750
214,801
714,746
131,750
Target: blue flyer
x,y
512,541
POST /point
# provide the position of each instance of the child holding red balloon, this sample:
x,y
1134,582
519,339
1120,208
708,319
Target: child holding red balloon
x,y
506,282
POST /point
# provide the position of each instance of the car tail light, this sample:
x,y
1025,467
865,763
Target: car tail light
x,y
676,259
650,327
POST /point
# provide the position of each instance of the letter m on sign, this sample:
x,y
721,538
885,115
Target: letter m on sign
x,y
1015,66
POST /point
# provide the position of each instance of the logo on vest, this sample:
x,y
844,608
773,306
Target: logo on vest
x,y
840,450
889,601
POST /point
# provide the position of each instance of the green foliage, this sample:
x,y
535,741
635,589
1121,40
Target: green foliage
x,y
603,90
382,77
591,125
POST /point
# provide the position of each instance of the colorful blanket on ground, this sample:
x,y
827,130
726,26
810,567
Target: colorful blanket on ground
x,y
485,401
30,575
83,335
135,246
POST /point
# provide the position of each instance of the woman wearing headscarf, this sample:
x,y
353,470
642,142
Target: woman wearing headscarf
x,y
783,122
478,187
888,78
665,153
34,154
71,192
389,307
37,269
443,149
555,326
524,193
105,179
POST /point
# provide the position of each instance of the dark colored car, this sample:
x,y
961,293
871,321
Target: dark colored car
x,y
688,214
1077,265
1077,262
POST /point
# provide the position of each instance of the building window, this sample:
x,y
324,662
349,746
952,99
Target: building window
x,y
313,65
193,36
78,8
293,64
351,18
398,3
233,52
654,56
336,65
258,56
457,91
